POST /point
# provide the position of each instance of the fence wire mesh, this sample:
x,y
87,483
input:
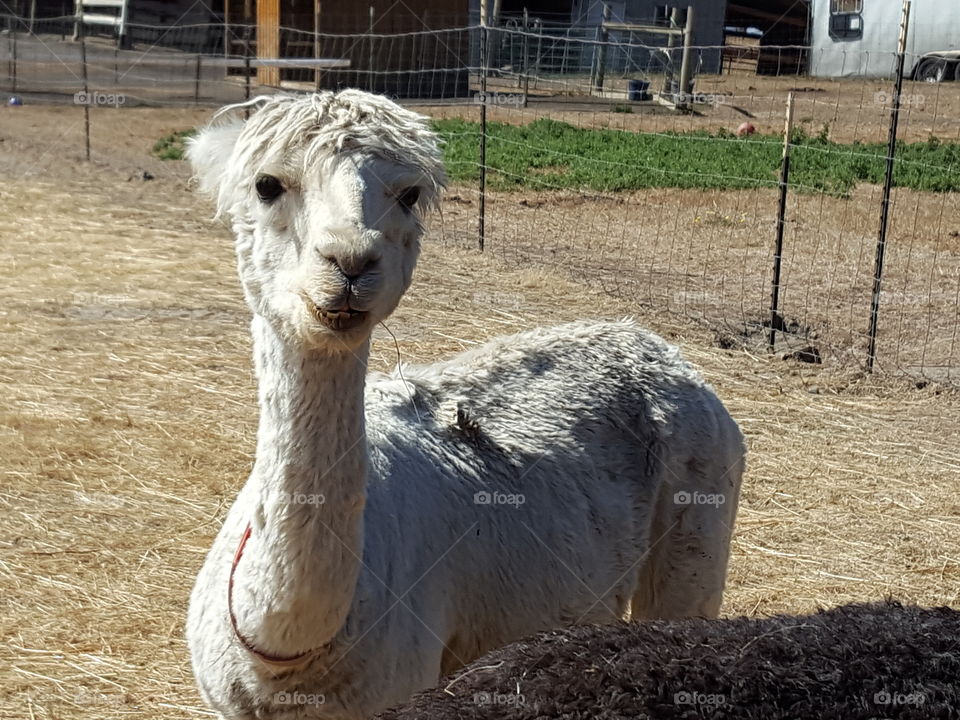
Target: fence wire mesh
x,y
592,171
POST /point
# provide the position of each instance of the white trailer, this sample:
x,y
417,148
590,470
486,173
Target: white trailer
x,y
859,38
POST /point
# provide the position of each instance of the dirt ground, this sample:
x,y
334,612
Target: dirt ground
x,y
127,404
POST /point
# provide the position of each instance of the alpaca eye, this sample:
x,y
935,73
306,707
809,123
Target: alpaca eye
x,y
269,188
408,198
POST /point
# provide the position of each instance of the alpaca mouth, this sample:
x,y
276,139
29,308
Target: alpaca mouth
x,y
340,320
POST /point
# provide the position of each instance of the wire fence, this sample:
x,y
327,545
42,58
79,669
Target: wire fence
x,y
585,152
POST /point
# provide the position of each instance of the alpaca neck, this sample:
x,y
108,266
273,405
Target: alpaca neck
x,y
296,581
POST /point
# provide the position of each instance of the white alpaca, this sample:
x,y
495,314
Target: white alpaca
x,y
393,530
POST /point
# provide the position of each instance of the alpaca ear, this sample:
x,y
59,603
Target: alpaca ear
x,y
209,154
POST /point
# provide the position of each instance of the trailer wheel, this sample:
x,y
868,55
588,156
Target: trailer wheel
x,y
932,70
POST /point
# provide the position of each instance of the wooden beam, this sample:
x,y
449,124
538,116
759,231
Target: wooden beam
x,y
268,40
634,27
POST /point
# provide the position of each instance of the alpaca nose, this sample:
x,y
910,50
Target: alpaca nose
x,y
352,266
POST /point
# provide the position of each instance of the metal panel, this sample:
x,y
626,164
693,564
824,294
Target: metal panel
x,y
934,25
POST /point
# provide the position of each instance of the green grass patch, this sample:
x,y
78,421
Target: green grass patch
x,y
172,146
551,154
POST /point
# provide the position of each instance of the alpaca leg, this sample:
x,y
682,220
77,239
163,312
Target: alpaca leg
x,y
685,571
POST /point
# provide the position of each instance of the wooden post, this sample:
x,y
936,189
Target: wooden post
x,y
483,126
268,40
686,81
602,38
781,215
671,43
887,184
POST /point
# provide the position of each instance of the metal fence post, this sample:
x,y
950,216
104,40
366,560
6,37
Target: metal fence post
x,y
196,85
538,54
668,70
370,51
686,79
483,124
86,85
523,49
602,37
13,59
781,214
526,58
248,20
887,184
317,74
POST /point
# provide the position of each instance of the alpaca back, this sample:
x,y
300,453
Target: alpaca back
x,y
538,463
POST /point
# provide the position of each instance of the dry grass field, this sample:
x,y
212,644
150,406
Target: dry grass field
x,y
127,412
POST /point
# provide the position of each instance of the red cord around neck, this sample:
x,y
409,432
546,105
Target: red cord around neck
x,y
247,645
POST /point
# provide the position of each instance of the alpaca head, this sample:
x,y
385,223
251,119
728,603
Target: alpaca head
x,y
327,195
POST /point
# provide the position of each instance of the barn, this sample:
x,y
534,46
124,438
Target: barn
x,y
417,48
